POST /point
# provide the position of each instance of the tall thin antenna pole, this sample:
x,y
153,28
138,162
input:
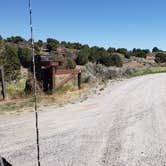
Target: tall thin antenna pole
x,y
35,88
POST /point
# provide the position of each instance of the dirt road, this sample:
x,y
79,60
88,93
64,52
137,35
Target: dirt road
x,y
124,126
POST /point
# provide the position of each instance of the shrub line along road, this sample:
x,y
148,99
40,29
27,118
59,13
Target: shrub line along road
x,y
124,126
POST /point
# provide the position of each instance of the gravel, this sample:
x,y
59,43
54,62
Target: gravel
x,y
123,126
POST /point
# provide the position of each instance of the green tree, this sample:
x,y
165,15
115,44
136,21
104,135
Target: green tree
x,y
111,50
77,46
147,51
160,58
83,55
71,64
37,48
155,49
15,39
25,56
139,53
94,56
63,43
68,45
52,44
1,41
11,63
40,43
105,59
123,51
116,60
128,55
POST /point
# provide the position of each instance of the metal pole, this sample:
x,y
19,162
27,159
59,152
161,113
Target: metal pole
x,y
35,88
3,82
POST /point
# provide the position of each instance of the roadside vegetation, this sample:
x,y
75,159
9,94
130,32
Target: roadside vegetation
x,y
151,70
98,65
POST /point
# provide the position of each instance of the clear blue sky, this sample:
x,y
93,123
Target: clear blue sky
x,y
116,23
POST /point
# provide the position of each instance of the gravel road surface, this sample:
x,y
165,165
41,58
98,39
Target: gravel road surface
x,y
123,126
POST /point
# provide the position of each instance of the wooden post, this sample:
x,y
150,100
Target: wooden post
x,y
79,80
3,82
52,81
55,77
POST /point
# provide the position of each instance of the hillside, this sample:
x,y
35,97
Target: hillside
x,y
96,63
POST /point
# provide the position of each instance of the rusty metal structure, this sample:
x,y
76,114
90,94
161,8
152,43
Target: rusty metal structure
x,y
50,70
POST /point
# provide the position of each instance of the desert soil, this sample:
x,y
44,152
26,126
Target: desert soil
x,y
123,126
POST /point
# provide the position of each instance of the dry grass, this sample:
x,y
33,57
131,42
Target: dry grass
x,y
16,89
64,95
16,106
